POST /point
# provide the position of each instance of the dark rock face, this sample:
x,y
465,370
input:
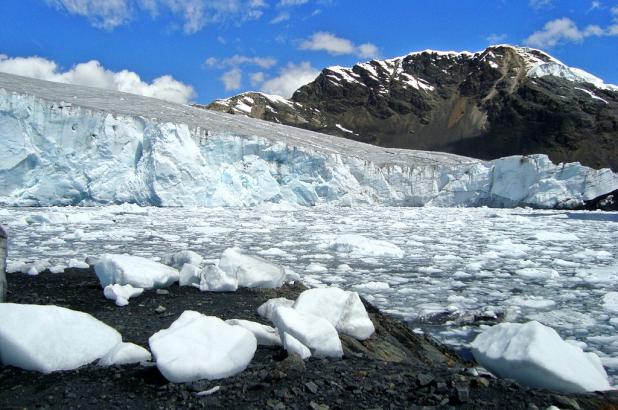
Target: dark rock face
x,y
485,105
3,249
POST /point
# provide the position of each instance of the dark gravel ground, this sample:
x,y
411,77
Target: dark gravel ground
x,y
394,369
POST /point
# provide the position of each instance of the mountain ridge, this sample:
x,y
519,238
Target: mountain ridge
x,y
501,101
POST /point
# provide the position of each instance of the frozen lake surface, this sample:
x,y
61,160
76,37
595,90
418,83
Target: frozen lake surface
x,y
443,269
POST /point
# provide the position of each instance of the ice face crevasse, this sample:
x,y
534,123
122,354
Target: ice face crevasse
x,y
72,145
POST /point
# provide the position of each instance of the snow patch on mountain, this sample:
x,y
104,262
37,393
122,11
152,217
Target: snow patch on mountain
x,y
569,73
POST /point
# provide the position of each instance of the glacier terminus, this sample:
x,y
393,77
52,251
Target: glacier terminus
x,y
75,145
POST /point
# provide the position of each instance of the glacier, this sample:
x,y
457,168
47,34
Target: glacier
x,y
74,145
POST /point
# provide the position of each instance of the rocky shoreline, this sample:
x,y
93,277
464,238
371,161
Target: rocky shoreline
x,y
395,368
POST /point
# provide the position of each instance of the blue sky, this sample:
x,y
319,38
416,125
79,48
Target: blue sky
x,y
200,50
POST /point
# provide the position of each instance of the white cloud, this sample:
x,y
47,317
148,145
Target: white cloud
x,y
496,38
290,78
238,60
281,17
538,4
323,41
565,30
288,3
106,14
613,29
195,14
93,74
257,79
368,50
232,79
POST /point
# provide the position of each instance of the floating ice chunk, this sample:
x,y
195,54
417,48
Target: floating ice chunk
x,y
134,270
535,355
372,286
610,302
343,309
265,335
538,273
125,353
363,246
74,263
178,259
51,218
592,254
57,269
599,276
51,338
267,308
34,268
198,347
316,268
314,332
251,271
534,302
565,319
189,275
214,279
555,236
121,293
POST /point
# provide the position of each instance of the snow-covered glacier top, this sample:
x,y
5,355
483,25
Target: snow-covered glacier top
x,y
568,73
72,145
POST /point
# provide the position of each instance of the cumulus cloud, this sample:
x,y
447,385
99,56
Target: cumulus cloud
x,y
232,79
323,41
565,30
93,74
195,14
238,60
290,78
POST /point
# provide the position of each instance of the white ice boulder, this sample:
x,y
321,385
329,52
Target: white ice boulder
x,y
125,353
214,279
178,259
121,293
315,333
343,309
293,345
267,308
51,338
362,246
198,347
135,271
535,355
189,275
251,271
265,335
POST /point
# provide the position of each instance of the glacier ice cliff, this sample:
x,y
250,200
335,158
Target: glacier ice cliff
x,y
71,145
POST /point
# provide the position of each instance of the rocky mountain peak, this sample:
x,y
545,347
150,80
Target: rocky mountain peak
x,y
503,100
